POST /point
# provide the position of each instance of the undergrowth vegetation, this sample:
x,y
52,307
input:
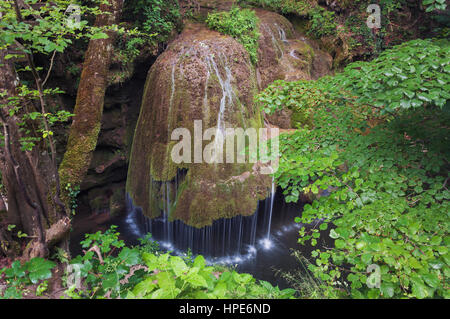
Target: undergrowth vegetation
x,y
146,24
109,269
376,137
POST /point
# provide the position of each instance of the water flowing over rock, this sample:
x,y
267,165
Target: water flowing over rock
x,y
203,75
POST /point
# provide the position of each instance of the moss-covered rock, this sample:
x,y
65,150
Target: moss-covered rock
x,y
285,54
199,72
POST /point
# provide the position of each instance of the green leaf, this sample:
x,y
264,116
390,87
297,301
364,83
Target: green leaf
x,y
199,262
431,279
387,289
100,35
39,269
110,281
419,290
178,265
129,256
197,280
366,259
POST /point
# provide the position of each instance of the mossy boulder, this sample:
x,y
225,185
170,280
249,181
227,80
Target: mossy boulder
x,y
201,74
286,54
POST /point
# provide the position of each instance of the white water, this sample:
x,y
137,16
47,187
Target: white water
x,y
282,33
292,54
274,41
272,197
227,100
172,94
228,95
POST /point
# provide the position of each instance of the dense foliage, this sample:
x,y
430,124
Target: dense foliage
x,y
342,25
382,154
153,16
51,34
241,24
109,269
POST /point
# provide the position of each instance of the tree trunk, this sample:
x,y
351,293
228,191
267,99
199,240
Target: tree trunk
x,y
88,111
25,174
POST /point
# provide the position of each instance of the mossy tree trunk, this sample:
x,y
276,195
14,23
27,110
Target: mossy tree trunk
x,y
88,111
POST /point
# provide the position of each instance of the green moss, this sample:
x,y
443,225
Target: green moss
x,y
79,152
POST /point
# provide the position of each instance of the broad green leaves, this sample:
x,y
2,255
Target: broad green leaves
x,y
172,277
18,276
39,269
385,176
410,75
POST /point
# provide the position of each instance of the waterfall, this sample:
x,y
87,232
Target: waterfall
x,y
274,41
272,197
282,33
227,90
237,236
228,96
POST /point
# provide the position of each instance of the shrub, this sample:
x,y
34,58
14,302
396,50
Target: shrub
x,y
241,24
159,17
321,22
109,269
383,162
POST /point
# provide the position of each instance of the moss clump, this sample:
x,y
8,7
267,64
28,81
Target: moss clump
x,y
79,152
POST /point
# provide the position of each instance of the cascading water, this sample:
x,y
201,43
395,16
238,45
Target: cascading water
x,y
275,42
228,95
282,33
226,240
272,197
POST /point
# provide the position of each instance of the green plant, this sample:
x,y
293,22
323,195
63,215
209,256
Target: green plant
x,y
153,16
148,244
170,277
432,5
301,7
321,22
18,276
305,283
241,24
72,193
383,165
43,286
411,75
110,269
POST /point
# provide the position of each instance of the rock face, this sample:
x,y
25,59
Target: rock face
x,y
284,54
207,76
103,188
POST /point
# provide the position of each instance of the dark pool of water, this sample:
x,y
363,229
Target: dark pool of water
x,y
261,256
